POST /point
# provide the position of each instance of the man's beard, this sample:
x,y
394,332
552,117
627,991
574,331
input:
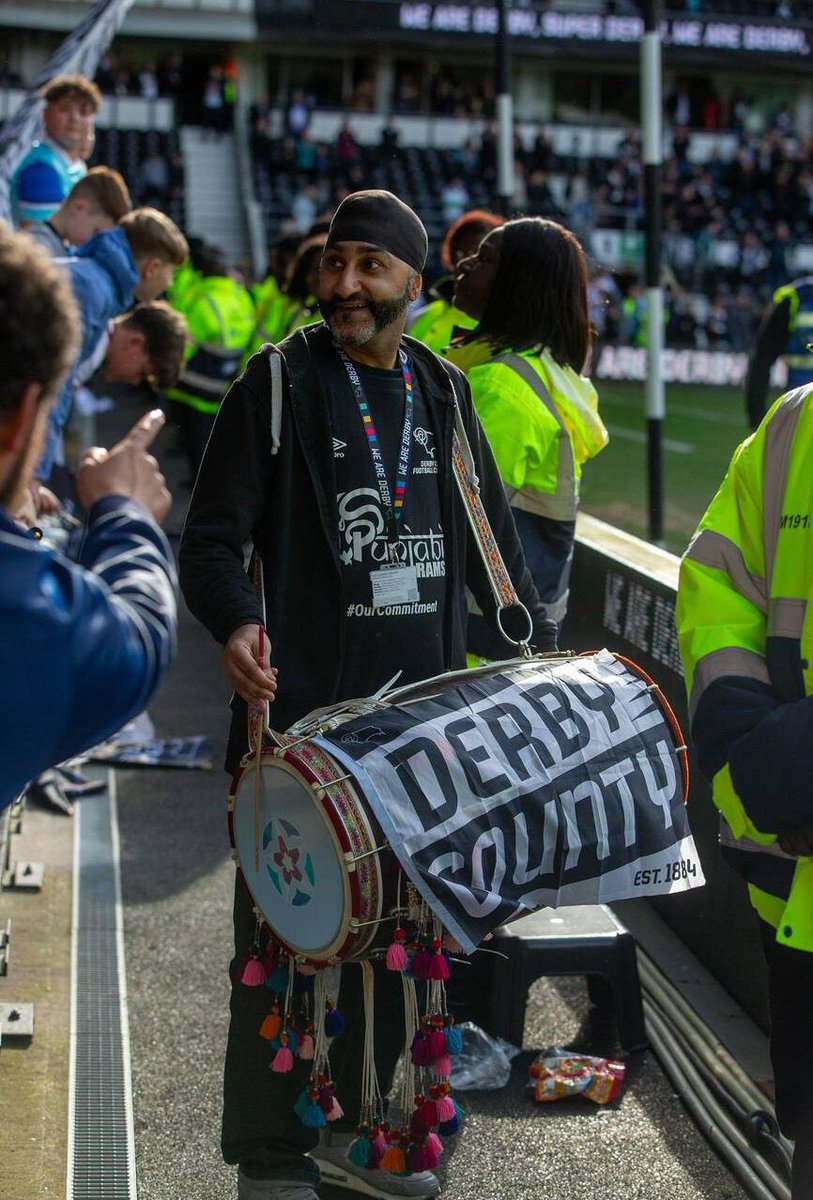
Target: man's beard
x,y
382,314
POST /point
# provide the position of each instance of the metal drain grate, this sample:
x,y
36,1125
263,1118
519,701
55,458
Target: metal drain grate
x,y
101,1151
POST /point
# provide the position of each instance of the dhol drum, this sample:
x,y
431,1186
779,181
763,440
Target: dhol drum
x,y
553,780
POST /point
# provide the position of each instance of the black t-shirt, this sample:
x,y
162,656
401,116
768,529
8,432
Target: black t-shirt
x,y
405,637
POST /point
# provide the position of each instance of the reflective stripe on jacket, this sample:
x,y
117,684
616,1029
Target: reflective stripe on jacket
x,y
540,435
743,615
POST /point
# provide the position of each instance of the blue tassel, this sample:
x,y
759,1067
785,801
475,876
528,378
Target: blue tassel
x,y
447,1128
454,1040
334,1023
302,1103
314,1117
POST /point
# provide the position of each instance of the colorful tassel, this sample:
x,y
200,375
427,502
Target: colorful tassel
x,y
313,1116
442,1067
417,1157
335,1111
272,1025
454,1038
302,1103
253,972
360,1149
439,963
306,1047
334,1021
397,957
433,1151
283,1059
394,1160
422,962
277,981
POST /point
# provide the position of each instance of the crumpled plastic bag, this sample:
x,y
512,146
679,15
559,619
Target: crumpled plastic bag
x,y
558,1074
485,1063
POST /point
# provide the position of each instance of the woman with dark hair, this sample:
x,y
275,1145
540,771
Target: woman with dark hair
x,y
302,284
435,324
526,287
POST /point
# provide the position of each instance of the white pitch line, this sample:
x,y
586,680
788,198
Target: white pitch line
x,y
636,435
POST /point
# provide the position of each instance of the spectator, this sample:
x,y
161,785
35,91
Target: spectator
x,y
134,261
454,199
147,346
221,322
170,75
213,103
305,207
527,289
96,635
436,323
347,150
148,83
297,117
154,185
96,203
51,168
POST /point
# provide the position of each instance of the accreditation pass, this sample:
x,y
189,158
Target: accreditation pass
x,y
395,584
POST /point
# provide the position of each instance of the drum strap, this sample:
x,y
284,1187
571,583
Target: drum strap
x,y
502,587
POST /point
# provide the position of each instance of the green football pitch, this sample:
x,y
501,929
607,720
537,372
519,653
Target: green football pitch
x,y
702,428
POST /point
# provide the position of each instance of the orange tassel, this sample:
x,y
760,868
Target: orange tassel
x,y
272,1024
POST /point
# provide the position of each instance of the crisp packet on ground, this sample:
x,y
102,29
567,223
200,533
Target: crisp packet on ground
x,y
559,1074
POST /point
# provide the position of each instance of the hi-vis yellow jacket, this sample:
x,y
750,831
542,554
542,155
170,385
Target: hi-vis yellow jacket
x,y
746,634
540,437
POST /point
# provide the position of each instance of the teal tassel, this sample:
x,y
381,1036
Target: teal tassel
x,y
277,981
301,1106
359,1151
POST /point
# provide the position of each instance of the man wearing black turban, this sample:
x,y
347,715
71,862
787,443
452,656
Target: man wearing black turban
x,y
345,490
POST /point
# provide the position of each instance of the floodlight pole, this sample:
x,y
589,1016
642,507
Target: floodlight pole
x,y
504,114
652,138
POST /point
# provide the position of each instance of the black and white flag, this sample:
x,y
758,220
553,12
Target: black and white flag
x,y
545,784
79,54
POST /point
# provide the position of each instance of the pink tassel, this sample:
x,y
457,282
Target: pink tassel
x,y
429,1113
253,972
432,1151
397,957
442,1067
335,1112
446,1109
306,1048
439,964
437,1043
283,1060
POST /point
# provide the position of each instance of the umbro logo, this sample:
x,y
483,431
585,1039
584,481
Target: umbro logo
x,y
339,448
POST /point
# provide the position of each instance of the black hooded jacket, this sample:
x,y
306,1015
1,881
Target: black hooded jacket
x,y
284,505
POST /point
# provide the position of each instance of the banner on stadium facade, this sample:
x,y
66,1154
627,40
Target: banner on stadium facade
x,y
490,822
714,368
79,54
537,23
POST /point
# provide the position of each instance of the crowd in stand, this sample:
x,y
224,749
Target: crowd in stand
x,y
731,225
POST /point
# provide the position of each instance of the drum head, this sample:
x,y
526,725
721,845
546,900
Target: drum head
x,y
297,881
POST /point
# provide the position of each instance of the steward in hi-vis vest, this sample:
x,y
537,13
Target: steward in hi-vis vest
x,y
746,635
221,321
787,331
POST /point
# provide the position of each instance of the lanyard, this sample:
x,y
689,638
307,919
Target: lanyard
x,y
393,507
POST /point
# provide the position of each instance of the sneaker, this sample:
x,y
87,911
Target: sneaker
x,y
272,1189
338,1171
